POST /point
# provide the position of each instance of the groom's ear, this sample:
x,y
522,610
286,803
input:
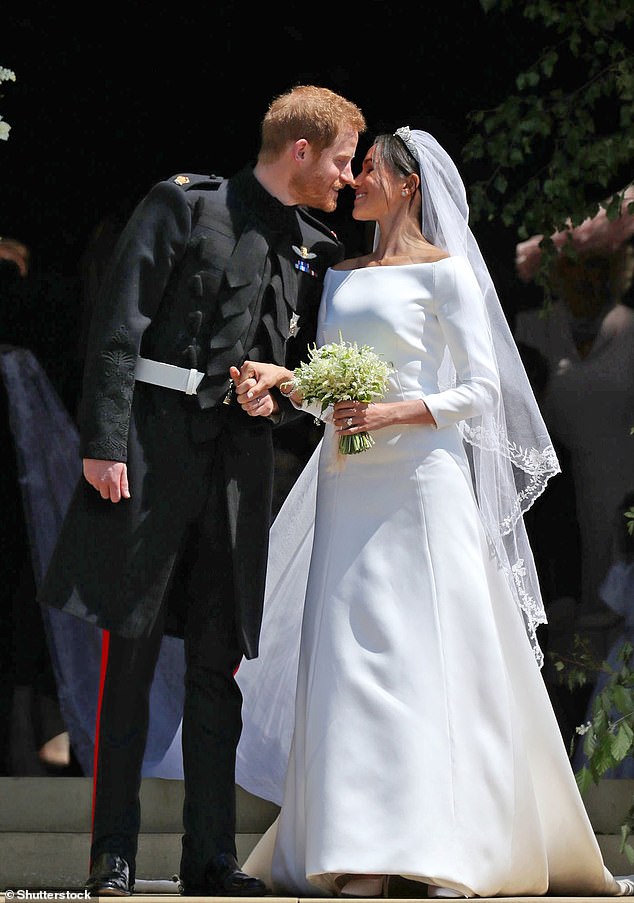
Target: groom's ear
x,y
300,149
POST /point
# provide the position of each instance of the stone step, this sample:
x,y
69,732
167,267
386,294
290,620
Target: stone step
x,y
45,831
65,804
41,860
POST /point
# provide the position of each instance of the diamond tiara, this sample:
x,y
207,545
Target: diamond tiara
x,y
405,135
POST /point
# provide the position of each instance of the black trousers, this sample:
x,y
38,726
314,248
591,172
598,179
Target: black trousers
x,y
212,710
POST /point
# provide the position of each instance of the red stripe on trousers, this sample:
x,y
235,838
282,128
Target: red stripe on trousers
x,y
105,646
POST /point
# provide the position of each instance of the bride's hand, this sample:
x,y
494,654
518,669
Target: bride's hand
x,y
253,382
351,417
264,376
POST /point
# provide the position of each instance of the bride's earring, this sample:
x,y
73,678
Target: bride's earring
x,y
404,192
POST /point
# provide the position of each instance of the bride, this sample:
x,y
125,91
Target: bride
x,y
396,712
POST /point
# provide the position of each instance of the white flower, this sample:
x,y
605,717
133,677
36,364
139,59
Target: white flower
x,y
343,371
584,728
5,128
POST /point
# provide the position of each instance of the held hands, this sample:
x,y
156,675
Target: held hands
x,y
253,382
109,478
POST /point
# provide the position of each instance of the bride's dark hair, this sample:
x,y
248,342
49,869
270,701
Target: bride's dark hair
x,y
393,151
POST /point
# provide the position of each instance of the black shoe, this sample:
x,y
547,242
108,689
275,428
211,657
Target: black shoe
x,y
109,877
225,878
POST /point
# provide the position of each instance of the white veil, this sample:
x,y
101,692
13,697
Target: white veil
x,y
511,457
511,454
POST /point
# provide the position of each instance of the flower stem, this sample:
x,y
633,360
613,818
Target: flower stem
x,y
352,445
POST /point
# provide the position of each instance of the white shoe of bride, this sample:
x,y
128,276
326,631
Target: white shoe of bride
x,y
443,892
626,885
362,886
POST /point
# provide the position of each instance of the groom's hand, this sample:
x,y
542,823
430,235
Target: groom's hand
x,y
251,393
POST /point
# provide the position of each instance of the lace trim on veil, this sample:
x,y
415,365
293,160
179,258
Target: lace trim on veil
x,y
533,468
511,454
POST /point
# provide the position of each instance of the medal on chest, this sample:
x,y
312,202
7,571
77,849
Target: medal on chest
x,y
303,264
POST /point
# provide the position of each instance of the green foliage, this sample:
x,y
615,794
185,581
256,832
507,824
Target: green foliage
x,y
343,371
557,148
608,737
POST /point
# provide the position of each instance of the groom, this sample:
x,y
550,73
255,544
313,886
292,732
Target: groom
x,y
168,530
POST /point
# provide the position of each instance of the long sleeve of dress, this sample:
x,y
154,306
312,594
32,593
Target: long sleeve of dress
x,y
461,314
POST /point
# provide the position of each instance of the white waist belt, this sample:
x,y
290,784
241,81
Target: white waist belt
x,y
167,375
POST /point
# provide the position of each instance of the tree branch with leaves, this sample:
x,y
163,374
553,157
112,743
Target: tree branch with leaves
x,y
559,150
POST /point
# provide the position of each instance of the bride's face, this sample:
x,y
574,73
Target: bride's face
x,y
376,189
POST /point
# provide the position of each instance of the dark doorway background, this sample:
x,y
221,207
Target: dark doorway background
x,y
113,99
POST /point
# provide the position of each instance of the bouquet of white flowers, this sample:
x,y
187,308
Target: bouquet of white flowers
x,y
343,371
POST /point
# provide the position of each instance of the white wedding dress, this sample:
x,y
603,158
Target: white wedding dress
x,y
423,743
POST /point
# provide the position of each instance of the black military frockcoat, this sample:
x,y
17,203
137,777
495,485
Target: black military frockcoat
x,y
207,273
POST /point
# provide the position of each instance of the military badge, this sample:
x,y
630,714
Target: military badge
x,y
304,253
181,180
303,267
